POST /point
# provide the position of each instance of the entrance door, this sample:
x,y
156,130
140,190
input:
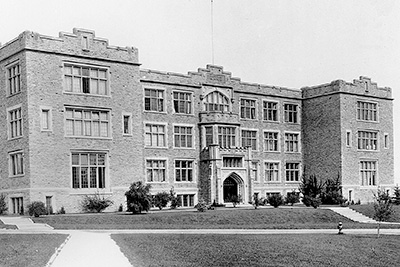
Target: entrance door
x,y
230,189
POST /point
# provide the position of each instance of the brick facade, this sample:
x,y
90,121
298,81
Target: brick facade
x,y
93,121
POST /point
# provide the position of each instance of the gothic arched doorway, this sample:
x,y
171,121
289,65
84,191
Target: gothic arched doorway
x,y
232,187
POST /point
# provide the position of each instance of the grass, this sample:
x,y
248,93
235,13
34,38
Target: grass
x,y
266,218
368,210
259,250
28,249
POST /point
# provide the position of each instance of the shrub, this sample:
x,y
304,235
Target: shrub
x,y
120,208
174,199
332,191
235,199
95,203
383,207
161,199
293,197
138,197
256,201
36,208
61,211
3,204
311,188
275,200
396,198
311,201
201,206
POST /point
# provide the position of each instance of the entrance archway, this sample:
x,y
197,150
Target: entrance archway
x,y
232,187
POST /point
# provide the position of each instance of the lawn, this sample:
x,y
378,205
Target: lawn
x,y
259,250
368,210
28,249
267,218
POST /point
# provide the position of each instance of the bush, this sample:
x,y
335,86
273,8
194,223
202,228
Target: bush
x,y
161,199
120,208
174,199
36,208
95,203
235,200
396,198
275,200
3,204
293,197
256,201
138,197
332,192
201,206
311,201
61,211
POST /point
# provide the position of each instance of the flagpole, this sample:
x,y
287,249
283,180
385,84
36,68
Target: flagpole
x,y
212,31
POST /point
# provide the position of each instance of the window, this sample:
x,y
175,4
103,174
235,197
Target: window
x,y
226,136
216,101
270,111
291,142
87,122
154,100
17,205
14,79
155,135
368,173
49,204
184,170
254,170
156,170
86,80
209,135
247,109
291,113
367,140
15,122
232,162
186,200
271,141
249,139
182,102
88,170
386,140
45,119
127,124
271,171
367,111
348,138
183,136
292,172
16,163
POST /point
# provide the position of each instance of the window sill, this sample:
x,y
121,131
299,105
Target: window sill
x,y
165,182
267,151
267,121
376,122
156,147
90,191
17,176
184,114
15,138
155,112
127,135
89,137
11,95
86,94
185,182
185,148
367,150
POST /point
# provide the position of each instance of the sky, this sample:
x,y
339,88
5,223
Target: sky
x,y
285,43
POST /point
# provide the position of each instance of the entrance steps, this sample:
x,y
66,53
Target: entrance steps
x,y
352,214
25,224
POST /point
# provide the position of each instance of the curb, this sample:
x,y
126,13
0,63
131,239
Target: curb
x,y
57,251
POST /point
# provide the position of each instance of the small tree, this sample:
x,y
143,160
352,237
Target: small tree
x,y
174,199
161,199
95,203
275,200
396,199
138,197
3,204
332,191
36,208
383,207
293,197
311,188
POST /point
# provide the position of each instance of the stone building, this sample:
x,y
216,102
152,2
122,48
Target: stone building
x,y
80,116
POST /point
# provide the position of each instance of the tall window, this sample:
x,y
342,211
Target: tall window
x,y
154,100
16,163
366,111
14,79
156,170
271,171
216,101
184,170
270,111
291,113
183,136
368,173
292,172
226,136
209,135
367,140
182,102
386,140
186,200
88,170
86,80
127,124
254,170
155,135
247,109
271,141
17,205
87,122
291,142
45,119
232,162
15,122
249,139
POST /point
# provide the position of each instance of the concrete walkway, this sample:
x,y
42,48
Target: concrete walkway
x,y
25,224
352,214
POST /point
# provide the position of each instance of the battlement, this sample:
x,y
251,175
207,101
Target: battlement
x,y
81,42
361,86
